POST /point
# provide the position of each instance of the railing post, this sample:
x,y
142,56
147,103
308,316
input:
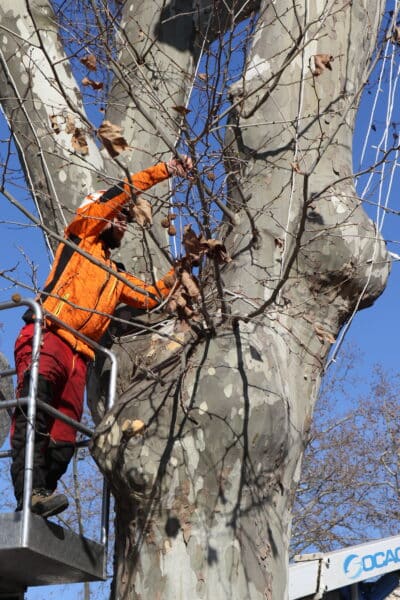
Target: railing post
x,y
32,406
30,426
105,509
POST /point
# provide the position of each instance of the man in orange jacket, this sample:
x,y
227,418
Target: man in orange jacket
x,y
84,295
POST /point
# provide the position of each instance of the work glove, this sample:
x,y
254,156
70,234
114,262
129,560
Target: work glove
x,y
185,295
170,278
180,166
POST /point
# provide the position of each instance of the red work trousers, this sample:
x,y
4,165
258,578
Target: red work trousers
x,y
64,369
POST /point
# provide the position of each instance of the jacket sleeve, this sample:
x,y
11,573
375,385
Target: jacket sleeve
x,y
152,294
91,218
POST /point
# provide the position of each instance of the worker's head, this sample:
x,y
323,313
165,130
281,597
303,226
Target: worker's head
x,y
114,231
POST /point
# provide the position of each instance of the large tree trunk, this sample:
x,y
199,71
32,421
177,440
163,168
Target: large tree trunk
x,y
203,497
206,492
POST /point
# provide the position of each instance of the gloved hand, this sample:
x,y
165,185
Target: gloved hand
x,y
170,278
185,292
180,166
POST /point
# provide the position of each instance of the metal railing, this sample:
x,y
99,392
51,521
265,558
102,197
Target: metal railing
x,y
32,403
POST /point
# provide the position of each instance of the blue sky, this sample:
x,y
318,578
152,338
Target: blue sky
x,y
18,242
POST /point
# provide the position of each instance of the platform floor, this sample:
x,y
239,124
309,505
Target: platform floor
x,y
51,554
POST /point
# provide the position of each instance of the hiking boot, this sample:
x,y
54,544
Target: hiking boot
x,y
47,504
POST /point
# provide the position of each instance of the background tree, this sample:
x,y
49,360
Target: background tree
x,y
349,488
204,496
6,393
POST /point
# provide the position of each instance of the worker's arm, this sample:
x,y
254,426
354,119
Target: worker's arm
x,y
152,294
92,217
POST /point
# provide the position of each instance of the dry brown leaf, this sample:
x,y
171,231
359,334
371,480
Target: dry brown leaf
x,y
90,62
96,85
322,62
211,176
54,123
188,312
167,221
164,222
138,426
198,246
222,255
322,334
185,298
142,212
169,280
192,244
79,142
191,286
295,167
69,124
112,139
180,300
179,303
208,243
396,35
133,427
172,305
182,110
171,229
202,76
215,249
279,243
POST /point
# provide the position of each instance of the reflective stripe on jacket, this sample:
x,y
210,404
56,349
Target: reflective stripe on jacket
x,y
76,287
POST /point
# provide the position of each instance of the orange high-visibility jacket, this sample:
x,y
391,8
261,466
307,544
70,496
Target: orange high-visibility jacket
x,y
76,286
